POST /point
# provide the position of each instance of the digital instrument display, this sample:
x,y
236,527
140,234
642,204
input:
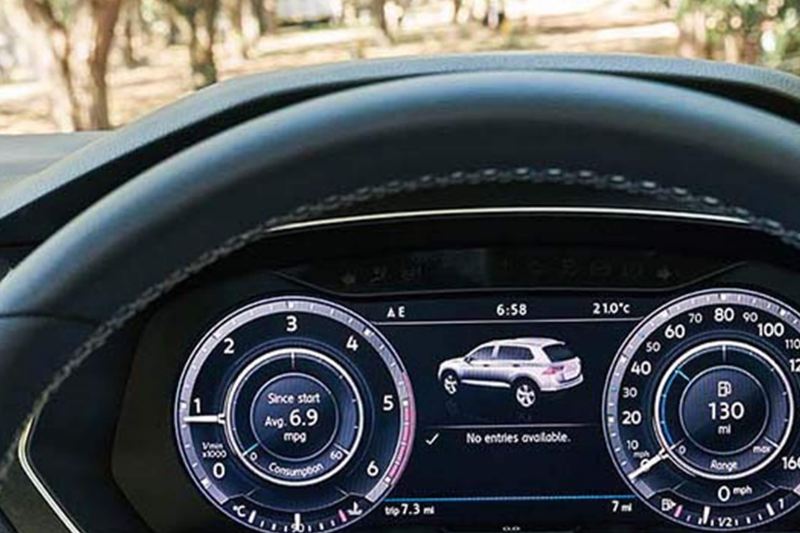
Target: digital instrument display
x,y
503,411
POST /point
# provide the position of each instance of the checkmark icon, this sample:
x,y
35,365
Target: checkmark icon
x,y
432,440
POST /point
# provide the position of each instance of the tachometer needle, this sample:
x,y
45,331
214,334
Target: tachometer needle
x,y
203,419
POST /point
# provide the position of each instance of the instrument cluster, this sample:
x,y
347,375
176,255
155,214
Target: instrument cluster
x,y
350,397
297,414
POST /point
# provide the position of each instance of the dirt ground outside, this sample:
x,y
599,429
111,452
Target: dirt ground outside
x,y
625,26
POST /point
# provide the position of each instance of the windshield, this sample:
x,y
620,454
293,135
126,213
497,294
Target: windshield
x,y
69,65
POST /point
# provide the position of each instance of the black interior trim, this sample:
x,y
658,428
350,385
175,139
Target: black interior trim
x,y
33,208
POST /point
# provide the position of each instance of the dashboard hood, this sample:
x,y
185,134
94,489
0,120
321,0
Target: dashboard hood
x,y
46,187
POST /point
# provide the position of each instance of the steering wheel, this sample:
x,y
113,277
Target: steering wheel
x,y
75,292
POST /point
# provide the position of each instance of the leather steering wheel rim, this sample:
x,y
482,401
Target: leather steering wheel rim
x,y
114,259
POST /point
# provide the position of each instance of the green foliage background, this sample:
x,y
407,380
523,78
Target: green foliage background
x,y
771,28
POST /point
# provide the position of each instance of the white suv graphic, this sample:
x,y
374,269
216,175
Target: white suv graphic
x,y
527,366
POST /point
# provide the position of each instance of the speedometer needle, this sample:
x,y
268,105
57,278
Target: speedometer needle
x,y
647,464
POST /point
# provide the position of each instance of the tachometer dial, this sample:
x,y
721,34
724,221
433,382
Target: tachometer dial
x,y
294,415
699,410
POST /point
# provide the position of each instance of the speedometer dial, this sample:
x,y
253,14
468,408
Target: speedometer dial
x,y
294,415
699,410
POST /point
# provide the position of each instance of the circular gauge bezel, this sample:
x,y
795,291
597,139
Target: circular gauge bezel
x,y
337,416
635,341
657,408
258,362
385,357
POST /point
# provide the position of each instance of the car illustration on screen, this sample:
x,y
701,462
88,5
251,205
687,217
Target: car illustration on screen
x,y
527,366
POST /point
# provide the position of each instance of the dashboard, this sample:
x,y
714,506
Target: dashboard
x,y
509,349
499,388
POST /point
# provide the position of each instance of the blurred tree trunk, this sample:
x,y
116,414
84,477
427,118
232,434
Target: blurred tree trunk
x,y
271,11
104,16
693,40
261,16
200,17
202,24
741,48
74,57
132,23
380,18
495,14
174,31
457,5
236,12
